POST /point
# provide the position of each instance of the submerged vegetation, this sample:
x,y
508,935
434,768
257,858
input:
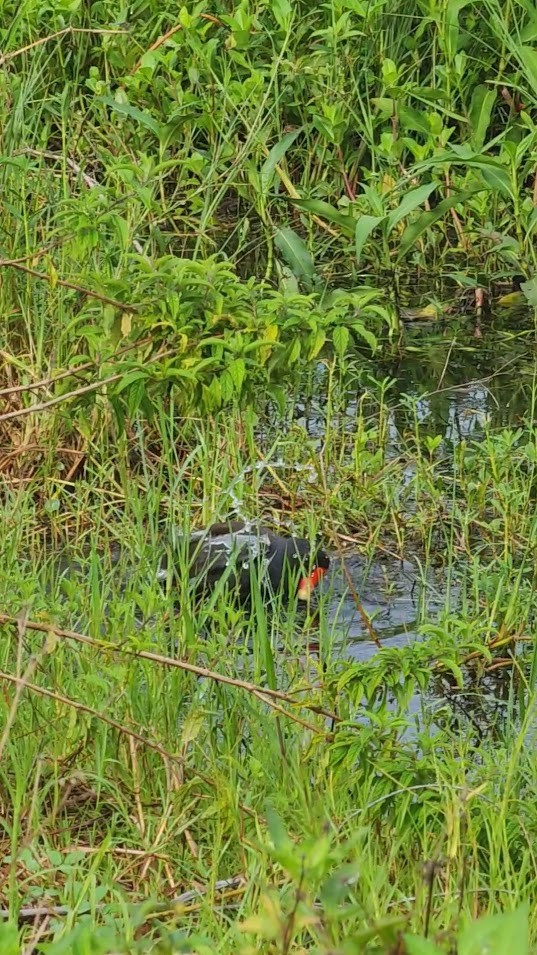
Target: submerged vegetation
x,y
215,224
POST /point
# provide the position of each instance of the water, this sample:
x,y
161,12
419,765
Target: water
x,y
454,385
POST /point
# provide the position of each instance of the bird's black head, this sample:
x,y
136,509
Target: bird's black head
x,y
319,562
293,554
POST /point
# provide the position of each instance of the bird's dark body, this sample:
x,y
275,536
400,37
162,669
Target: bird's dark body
x,y
236,552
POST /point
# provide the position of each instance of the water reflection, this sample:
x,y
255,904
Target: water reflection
x,y
395,597
450,388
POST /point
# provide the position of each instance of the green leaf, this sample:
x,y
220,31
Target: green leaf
x,y
277,831
337,886
317,343
318,207
420,946
416,229
501,934
129,379
454,8
413,119
367,335
528,58
364,227
294,352
9,939
528,33
275,156
138,115
384,104
498,179
282,12
295,253
529,290
279,396
455,669
237,370
226,386
389,72
483,99
409,202
340,338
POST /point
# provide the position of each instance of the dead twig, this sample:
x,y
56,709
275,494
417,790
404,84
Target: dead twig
x,y
7,57
166,36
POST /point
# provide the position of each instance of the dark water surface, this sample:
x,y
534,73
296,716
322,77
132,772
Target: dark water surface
x,y
455,385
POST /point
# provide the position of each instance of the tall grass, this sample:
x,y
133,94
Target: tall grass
x,y
133,778
202,209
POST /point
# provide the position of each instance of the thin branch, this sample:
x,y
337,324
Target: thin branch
x,y
90,182
54,36
44,405
94,386
166,36
105,647
13,264
70,372
47,382
81,707
30,912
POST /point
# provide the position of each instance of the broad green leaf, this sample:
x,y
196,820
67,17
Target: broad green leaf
x,y
282,12
455,670
528,33
420,946
494,172
337,886
409,202
529,290
129,379
277,831
295,252
367,335
383,103
294,352
279,396
317,343
227,386
389,72
528,59
364,227
505,933
416,229
483,99
340,338
9,939
413,119
138,115
454,8
499,180
237,370
213,394
275,156
318,207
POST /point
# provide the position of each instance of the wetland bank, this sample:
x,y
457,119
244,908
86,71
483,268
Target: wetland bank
x,y
276,262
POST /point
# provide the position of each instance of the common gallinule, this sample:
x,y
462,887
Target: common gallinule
x,y
237,550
